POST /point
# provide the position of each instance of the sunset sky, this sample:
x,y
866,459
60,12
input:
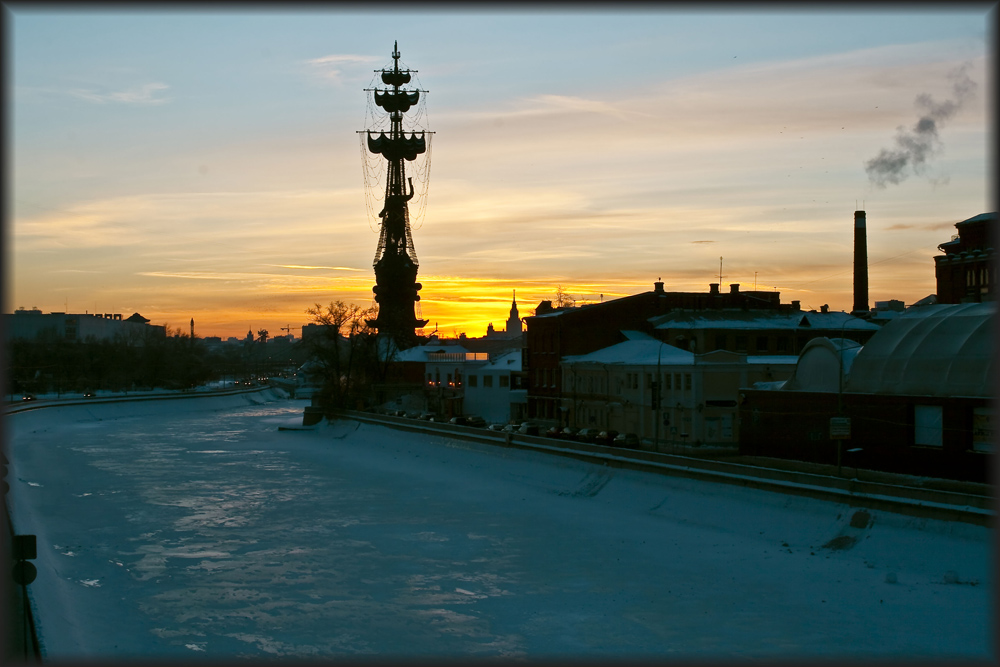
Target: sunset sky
x,y
206,164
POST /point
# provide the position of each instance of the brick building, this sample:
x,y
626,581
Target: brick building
x,y
966,272
556,333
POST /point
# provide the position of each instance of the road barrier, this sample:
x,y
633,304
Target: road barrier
x,y
900,499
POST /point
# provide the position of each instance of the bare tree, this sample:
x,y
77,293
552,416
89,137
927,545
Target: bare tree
x,y
562,298
340,347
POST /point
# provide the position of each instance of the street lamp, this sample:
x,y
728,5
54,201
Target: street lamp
x,y
840,395
657,382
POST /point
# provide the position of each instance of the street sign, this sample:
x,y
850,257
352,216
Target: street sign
x,y
24,547
840,428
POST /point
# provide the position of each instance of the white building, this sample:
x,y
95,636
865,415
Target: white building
x,y
613,389
494,390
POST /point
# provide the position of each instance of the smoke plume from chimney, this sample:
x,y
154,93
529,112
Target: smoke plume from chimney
x,y
914,147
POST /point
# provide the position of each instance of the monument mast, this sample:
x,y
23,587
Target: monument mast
x,y
396,287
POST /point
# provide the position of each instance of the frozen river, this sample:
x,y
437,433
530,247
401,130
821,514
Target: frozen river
x,y
195,528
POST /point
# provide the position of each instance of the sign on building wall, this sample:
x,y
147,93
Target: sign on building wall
x,y
840,428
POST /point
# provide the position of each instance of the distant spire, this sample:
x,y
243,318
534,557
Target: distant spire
x,y
514,321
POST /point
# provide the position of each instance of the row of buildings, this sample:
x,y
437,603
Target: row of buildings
x,y
741,368
32,324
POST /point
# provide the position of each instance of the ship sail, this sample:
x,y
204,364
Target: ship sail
x,y
397,148
401,101
391,78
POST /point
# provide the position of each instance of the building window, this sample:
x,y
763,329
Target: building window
x,y
720,341
741,343
927,425
635,380
761,343
687,382
677,381
473,380
487,381
782,344
504,382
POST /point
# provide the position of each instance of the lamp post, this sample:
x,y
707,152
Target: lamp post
x,y
657,398
840,393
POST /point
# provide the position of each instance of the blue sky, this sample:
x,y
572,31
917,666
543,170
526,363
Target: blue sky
x,y
194,163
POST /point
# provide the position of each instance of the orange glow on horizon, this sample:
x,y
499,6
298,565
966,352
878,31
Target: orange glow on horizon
x,y
454,305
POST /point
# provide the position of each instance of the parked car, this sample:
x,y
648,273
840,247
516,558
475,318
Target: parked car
x,y
553,432
569,433
412,415
458,421
475,420
510,428
606,438
426,416
496,427
587,434
630,440
528,429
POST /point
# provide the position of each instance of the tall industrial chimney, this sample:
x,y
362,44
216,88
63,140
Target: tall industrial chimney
x,y
860,265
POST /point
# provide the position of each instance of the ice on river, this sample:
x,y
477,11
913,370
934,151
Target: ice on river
x,y
197,529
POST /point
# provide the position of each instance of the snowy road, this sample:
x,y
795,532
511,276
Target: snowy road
x,y
170,530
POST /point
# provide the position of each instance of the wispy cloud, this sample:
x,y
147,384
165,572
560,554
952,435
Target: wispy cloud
x,y
145,94
299,266
931,226
332,67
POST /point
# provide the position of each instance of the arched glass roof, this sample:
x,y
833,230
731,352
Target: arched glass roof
x,y
941,350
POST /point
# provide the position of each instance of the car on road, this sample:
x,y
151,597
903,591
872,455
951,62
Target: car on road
x,y
28,397
527,428
630,440
606,438
88,394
